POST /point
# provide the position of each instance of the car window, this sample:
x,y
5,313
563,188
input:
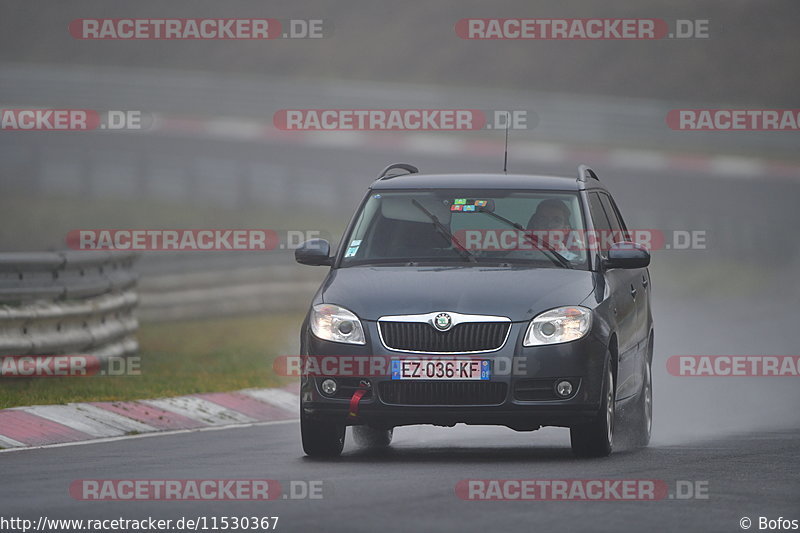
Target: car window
x,y
599,217
398,227
613,218
603,227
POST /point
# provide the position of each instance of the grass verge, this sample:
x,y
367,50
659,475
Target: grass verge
x,y
177,358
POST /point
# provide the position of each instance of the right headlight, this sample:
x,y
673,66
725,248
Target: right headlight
x,y
333,323
563,324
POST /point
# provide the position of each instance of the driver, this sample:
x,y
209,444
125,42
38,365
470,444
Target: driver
x,y
551,225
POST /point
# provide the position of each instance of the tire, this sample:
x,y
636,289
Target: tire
x,y
373,438
643,419
596,438
321,438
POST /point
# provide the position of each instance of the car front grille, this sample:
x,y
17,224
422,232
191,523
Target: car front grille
x,y
461,338
442,392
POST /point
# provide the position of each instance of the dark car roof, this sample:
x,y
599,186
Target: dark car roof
x,y
484,181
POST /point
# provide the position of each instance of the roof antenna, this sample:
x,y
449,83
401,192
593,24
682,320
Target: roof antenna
x,y
505,157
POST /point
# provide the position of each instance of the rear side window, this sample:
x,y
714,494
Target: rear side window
x,y
599,217
617,224
606,224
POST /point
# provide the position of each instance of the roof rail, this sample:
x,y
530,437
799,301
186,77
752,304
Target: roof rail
x,y
409,169
585,172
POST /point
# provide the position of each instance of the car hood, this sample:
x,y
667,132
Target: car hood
x,y
516,293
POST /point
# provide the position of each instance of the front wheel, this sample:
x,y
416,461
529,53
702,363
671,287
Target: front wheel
x,y
321,438
596,439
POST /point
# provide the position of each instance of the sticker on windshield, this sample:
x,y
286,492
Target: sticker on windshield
x,y
353,248
469,205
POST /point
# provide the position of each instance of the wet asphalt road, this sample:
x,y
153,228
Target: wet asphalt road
x,y
411,486
739,437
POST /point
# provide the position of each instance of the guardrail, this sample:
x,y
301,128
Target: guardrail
x,y
234,291
68,303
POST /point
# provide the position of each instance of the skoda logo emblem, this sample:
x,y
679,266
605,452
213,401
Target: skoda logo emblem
x,y
443,321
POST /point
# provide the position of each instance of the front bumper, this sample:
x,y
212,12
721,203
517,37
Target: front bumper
x,y
582,362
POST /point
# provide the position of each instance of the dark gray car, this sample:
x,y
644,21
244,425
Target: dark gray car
x,y
497,299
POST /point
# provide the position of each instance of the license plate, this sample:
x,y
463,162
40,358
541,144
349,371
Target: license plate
x,y
441,369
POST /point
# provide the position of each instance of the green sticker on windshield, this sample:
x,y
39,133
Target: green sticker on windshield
x,y
470,205
353,248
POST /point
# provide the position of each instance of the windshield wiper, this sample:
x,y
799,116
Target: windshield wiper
x,y
463,252
554,256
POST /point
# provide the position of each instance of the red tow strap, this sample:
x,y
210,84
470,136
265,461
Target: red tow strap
x,y
357,395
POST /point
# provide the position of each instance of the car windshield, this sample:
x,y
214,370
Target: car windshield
x,y
537,228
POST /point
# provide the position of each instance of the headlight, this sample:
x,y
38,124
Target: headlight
x,y
337,324
563,324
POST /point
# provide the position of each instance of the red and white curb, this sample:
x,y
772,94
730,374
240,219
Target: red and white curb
x,y
729,166
422,143
44,425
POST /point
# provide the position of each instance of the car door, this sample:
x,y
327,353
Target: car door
x,y
639,286
641,281
622,300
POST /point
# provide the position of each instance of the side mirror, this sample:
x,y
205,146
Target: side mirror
x,y
314,252
627,255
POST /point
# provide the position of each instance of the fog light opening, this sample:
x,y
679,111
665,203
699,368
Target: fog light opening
x,y
564,388
329,387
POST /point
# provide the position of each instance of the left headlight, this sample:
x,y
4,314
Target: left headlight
x,y
337,324
563,324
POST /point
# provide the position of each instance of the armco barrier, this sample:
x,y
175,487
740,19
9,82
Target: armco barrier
x,y
67,303
237,290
